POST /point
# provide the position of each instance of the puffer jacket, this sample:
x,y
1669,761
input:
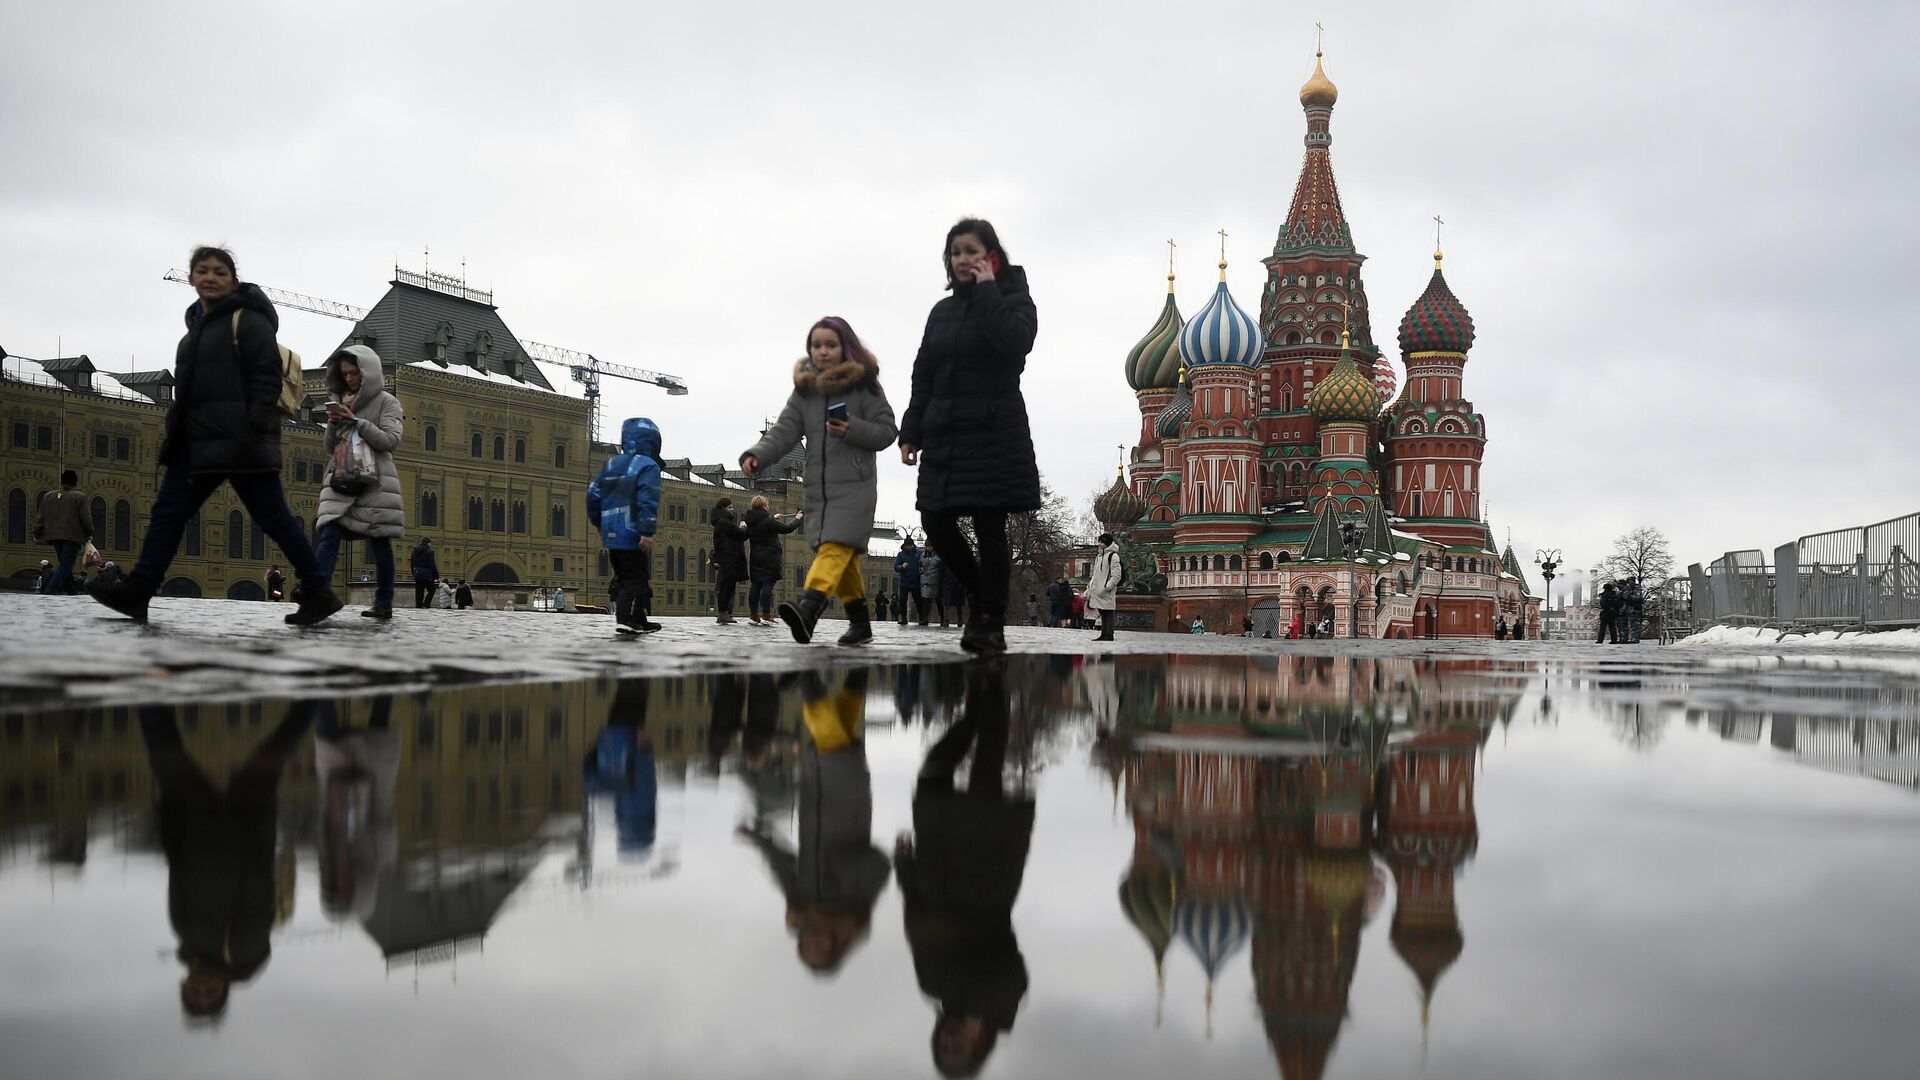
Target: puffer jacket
x,y
907,566
764,533
623,502
933,576
729,546
377,417
842,480
967,415
1103,580
225,416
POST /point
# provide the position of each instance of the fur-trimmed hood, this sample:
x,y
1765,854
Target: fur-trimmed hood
x,y
838,379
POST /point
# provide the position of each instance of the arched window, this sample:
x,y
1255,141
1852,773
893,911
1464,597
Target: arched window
x,y
559,517
1219,562
429,509
257,542
700,566
1266,560
497,515
519,451
97,510
1446,563
1327,336
432,438
682,575
1233,563
477,442
1285,556
1401,585
560,455
236,536
499,448
17,516
1286,392
476,516
519,517
190,541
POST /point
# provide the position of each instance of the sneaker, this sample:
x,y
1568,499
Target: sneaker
x,y
625,630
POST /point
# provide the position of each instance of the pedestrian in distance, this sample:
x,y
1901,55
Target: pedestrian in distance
x,y
1246,625
764,561
1103,585
1198,626
463,595
426,573
883,605
276,584
1611,602
1632,610
933,582
838,409
1033,609
1500,629
62,521
223,427
623,503
966,424
729,557
360,495
906,567
1061,595
44,575
1296,627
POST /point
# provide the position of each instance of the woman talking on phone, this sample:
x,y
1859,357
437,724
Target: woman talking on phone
x,y
837,406
966,424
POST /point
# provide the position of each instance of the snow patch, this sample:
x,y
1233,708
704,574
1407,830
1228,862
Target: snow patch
x,y
1759,635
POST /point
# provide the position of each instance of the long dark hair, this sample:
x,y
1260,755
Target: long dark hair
x,y
981,229
207,251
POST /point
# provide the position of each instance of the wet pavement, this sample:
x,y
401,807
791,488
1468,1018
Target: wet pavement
x,y
1470,861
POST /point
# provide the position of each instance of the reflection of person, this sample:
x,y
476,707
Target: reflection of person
x,y
835,875
355,770
959,875
765,760
219,846
620,764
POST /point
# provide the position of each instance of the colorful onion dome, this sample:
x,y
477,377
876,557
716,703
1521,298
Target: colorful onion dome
x,y
1384,379
1221,334
1438,321
1214,929
1318,90
1176,413
1154,363
1346,395
1118,507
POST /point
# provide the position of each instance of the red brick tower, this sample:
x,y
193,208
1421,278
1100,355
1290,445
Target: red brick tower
x,y
1428,831
1435,438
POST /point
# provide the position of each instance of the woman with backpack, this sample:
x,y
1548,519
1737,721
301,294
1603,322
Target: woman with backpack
x,y
1103,585
223,427
360,495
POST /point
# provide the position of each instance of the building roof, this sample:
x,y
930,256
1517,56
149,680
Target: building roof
x,y
413,324
1438,321
1154,361
1221,334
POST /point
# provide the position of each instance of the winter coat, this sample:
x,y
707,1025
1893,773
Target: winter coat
x,y
841,476
836,865
764,533
967,416
1103,580
225,416
907,566
1611,601
933,575
377,417
64,517
958,886
426,567
729,546
623,502
463,596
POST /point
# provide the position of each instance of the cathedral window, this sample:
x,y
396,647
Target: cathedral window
x,y
497,516
1220,562
1266,560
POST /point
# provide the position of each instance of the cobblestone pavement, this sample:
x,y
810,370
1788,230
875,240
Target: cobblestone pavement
x,y
57,651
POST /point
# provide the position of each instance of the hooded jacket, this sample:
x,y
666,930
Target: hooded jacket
x,y
967,415
379,420
729,546
764,533
1103,580
225,416
842,485
623,502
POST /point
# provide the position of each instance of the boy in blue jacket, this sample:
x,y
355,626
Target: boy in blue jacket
x,y
623,502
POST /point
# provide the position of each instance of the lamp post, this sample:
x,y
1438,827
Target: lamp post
x,y
1549,560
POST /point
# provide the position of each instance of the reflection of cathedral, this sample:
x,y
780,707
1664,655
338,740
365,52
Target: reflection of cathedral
x,y
1264,796
1275,472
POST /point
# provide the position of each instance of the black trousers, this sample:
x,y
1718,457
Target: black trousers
x,y
918,607
987,577
1609,628
633,586
423,589
723,595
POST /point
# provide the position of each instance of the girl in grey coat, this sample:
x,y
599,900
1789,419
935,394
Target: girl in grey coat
x,y
837,406
361,406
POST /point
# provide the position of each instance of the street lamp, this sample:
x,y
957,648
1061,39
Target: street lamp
x,y
1549,560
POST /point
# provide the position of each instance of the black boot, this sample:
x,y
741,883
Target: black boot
x,y
801,616
317,601
985,633
859,627
1106,626
126,595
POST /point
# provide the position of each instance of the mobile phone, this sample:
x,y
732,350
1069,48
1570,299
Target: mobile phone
x,y
332,405
837,411
996,261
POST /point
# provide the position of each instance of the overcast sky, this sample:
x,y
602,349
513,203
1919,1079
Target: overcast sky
x,y
1686,232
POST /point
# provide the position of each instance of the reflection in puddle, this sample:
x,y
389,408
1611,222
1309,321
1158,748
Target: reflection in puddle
x,y
871,832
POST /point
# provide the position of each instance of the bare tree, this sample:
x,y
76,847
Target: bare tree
x,y
1042,541
1640,553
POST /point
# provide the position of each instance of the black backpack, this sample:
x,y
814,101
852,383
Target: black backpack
x,y
1122,583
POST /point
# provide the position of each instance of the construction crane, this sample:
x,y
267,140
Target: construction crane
x,y
585,368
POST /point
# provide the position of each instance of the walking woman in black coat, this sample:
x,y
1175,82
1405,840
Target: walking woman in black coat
x,y
966,425
729,557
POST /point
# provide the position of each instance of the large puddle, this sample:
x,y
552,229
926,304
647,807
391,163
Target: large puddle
x,y
1033,867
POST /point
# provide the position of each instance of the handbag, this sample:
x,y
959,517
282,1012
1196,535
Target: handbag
x,y
354,469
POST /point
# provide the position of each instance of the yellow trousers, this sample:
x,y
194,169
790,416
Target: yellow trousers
x,y
836,572
835,722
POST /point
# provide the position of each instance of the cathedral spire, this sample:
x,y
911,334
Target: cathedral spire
x,y
1316,220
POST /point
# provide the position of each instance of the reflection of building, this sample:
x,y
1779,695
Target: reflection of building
x,y
1260,793
1280,477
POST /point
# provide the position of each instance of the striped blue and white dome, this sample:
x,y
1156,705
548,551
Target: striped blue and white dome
x,y
1221,333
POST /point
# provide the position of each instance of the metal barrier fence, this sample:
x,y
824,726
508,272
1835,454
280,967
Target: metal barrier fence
x,y
1864,577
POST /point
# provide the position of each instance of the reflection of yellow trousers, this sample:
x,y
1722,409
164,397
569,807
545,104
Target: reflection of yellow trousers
x,y
835,722
836,572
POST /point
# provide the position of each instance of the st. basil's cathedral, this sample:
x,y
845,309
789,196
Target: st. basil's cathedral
x,y
1268,480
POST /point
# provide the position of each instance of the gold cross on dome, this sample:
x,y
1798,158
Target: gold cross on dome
x,y
1171,247
1223,245
1436,230
1319,32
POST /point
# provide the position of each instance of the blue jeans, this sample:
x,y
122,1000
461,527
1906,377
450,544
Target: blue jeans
x,y
760,598
65,552
179,498
327,551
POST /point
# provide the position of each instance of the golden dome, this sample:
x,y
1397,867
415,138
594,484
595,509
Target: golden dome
x,y
1318,90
